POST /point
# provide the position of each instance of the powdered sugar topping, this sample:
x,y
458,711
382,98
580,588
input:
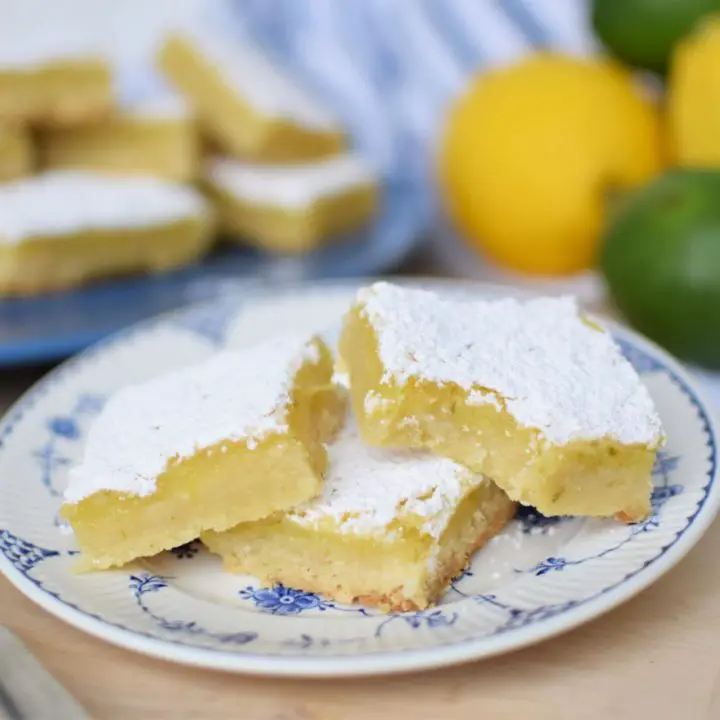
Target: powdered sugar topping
x,y
374,400
234,396
552,370
293,186
161,108
57,203
368,488
475,397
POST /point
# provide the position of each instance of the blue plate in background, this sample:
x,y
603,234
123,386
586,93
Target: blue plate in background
x,y
54,326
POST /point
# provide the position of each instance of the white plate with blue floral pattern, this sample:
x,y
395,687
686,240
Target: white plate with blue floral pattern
x,y
541,577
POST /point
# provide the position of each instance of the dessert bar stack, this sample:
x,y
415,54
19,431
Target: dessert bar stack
x,y
376,485
154,135
108,93
281,175
95,181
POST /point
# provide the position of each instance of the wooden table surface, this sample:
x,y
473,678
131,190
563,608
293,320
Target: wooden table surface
x,y
655,658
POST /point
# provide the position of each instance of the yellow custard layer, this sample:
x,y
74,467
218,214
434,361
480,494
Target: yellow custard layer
x,y
43,264
163,147
292,230
16,153
56,94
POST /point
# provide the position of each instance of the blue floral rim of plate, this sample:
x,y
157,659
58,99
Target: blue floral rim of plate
x,y
195,643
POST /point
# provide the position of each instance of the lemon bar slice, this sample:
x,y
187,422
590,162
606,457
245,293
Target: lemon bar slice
x,y
59,92
16,153
233,439
154,136
531,394
245,103
292,208
50,85
55,62
61,229
391,528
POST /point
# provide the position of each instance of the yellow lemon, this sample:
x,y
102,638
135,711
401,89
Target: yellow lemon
x,y
530,153
693,98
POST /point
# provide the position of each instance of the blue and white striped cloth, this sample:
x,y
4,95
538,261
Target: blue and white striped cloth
x,y
390,68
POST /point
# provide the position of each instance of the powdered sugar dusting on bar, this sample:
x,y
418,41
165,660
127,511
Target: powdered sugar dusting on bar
x,y
293,186
553,371
234,396
373,401
368,488
476,397
56,204
161,108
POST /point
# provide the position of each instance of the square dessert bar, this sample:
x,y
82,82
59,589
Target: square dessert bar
x,y
390,529
246,104
292,208
55,89
64,228
531,394
233,439
157,137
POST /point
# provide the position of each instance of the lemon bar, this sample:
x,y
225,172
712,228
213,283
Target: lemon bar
x,y
291,208
531,394
245,103
55,62
57,93
54,90
154,136
16,153
64,228
391,528
233,439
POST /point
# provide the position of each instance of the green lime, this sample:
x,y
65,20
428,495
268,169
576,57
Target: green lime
x,y
661,259
643,33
